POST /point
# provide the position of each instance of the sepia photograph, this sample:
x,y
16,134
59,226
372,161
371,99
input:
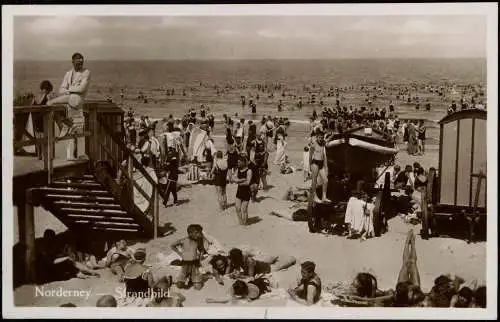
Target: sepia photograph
x,y
257,160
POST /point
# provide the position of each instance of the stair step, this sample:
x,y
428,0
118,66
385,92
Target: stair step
x,y
88,205
109,228
99,217
82,185
106,200
109,212
106,224
73,191
79,179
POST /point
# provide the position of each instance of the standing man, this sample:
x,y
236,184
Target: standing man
x,y
73,91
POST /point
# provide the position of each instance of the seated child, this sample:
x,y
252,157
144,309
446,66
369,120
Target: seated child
x,y
308,289
118,257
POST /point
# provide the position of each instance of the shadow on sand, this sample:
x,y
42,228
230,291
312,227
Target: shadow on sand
x,y
253,220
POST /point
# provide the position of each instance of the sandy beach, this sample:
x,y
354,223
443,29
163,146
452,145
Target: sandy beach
x,y
337,258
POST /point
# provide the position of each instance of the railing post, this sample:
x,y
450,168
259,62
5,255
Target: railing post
x,y
130,170
156,201
29,235
94,129
48,143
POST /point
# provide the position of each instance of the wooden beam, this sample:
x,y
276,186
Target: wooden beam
x,y
156,201
29,235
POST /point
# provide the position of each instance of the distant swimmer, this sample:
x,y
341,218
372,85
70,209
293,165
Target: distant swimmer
x,y
253,106
428,105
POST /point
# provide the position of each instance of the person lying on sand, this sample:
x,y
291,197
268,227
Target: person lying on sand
x,y
163,297
245,264
220,267
118,257
308,289
363,292
54,264
241,290
408,292
85,263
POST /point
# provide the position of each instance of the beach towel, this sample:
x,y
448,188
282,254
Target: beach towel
x,y
280,156
354,214
197,141
31,130
140,201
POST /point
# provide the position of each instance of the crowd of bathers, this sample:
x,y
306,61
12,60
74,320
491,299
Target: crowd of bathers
x,y
250,277
163,146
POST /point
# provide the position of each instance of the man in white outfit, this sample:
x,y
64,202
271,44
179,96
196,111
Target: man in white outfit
x,y
73,91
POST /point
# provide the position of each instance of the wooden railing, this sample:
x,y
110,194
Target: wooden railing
x,y
48,139
128,171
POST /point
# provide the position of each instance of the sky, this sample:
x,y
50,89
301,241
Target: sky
x,y
248,37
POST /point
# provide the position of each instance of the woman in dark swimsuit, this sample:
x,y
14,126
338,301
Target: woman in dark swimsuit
x,y
219,172
421,137
317,160
242,177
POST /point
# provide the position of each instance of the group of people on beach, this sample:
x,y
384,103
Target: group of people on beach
x,y
251,277
162,147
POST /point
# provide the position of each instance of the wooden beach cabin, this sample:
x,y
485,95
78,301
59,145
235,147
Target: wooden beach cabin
x,y
459,193
82,194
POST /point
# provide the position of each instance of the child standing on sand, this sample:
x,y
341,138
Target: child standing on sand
x,y
191,251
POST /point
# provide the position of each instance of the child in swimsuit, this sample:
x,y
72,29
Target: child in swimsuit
x,y
191,256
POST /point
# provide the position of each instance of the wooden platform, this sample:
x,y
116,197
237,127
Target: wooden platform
x,y
29,171
24,165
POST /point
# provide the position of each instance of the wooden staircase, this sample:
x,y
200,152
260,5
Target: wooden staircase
x,y
84,195
86,205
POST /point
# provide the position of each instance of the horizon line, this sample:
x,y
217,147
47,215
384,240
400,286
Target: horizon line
x,y
248,59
